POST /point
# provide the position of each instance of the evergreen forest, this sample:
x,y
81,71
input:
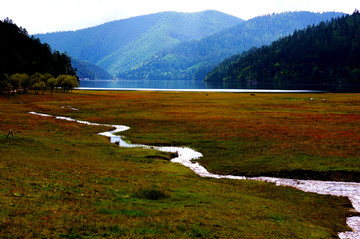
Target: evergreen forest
x,y
21,53
26,64
326,56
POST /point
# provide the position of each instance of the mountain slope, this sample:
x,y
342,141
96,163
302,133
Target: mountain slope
x,y
192,60
326,56
121,45
86,69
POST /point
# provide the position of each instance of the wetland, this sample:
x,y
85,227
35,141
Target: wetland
x,y
105,181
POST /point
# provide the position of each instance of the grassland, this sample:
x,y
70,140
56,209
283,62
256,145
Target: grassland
x,y
61,180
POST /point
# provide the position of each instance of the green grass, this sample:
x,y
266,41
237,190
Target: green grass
x,y
60,179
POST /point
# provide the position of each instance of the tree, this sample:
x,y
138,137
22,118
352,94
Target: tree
x,y
67,82
51,82
355,76
34,79
15,81
3,82
39,86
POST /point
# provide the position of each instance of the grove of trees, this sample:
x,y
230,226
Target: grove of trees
x,y
27,65
36,83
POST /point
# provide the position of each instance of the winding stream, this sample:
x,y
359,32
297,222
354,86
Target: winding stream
x,y
186,155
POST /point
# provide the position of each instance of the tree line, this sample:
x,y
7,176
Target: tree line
x,y
26,64
36,83
326,55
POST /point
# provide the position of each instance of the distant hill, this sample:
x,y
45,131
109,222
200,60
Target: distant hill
x,y
20,53
326,56
194,59
121,45
89,70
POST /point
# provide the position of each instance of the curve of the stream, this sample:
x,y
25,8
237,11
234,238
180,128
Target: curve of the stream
x,y
186,155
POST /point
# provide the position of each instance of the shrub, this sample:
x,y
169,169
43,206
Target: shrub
x,y
153,193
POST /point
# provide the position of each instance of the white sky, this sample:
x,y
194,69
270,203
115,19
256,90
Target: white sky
x,y
41,16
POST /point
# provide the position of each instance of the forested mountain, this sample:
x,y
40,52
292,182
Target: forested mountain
x,y
326,56
89,70
192,60
20,53
122,45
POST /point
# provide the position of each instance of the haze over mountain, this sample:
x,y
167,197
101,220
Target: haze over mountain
x,y
173,45
121,45
192,60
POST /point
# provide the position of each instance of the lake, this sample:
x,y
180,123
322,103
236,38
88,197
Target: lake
x,y
146,84
183,85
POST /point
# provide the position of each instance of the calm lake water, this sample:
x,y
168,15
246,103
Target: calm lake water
x,y
146,84
183,86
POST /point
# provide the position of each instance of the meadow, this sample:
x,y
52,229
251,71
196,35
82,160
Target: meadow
x,y
60,179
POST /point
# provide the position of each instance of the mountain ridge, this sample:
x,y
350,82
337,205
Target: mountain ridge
x,y
108,45
325,56
175,45
192,60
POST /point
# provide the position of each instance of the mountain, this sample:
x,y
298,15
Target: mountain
x,y
326,56
21,53
121,45
194,59
86,69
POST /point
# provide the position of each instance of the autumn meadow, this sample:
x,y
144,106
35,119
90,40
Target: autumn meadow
x,y
61,179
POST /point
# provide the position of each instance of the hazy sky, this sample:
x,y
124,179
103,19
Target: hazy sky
x,y
40,16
